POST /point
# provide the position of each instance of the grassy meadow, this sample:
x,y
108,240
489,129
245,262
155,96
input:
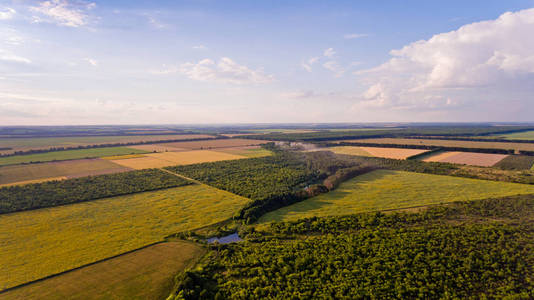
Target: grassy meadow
x,y
67,155
41,242
386,190
525,135
147,273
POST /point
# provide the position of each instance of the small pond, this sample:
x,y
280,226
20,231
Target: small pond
x,y
232,238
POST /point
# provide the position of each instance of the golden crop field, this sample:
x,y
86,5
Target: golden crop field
x,y
158,160
38,243
448,143
386,190
21,144
395,153
467,158
69,169
147,273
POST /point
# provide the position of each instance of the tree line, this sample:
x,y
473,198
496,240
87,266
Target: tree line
x,y
53,193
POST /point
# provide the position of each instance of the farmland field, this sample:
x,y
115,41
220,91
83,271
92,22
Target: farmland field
x,y
158,160
67,169
67,155
386,190
143,274
467,158
212,144
448,143
395,153
42,242
525,135
21,144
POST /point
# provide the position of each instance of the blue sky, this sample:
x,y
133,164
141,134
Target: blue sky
x,y
131,62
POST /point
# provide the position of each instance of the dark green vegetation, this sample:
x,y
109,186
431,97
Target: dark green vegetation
x,y
53,193
274,181
516,162
472,250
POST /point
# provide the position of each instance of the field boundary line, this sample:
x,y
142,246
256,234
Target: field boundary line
x,y
182,176
79,267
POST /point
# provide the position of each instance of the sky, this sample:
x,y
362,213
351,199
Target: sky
x,y
67,62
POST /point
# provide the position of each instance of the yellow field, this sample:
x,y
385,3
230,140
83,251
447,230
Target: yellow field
x,y
349,150
212,144
467,158
38,243
33,181
143,274
395,153
44,171
250,152
127,156
386,190
158,160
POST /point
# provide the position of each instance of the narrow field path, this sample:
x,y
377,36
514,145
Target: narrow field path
x,y
182,176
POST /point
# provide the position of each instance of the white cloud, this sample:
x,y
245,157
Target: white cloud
x,y
307,65
10,57
93,62
458,66
226,71
62,13
334,67
7,13
352,36
329,52
200,47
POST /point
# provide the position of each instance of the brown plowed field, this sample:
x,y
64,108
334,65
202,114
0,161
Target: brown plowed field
x,y
467,158
158,160
54,170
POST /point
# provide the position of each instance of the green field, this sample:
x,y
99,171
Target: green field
x,y
41,242
525,135
385,190
67,154
143,274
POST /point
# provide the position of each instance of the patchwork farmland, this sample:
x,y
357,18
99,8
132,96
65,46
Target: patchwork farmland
x,y
394,153
74,235
448,143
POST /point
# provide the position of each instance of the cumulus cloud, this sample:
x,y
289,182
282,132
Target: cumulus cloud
x,y
62,12
352,36
7,13
329,52
457,66
307,65
226,71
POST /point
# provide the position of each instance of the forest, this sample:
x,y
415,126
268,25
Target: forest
x,y
274,181
468,250
53,193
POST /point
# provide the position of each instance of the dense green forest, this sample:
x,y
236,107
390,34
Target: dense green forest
x,y
53,193
468,250
274,181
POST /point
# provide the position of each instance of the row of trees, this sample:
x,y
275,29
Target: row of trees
x,y
53,193
426,255
273,181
